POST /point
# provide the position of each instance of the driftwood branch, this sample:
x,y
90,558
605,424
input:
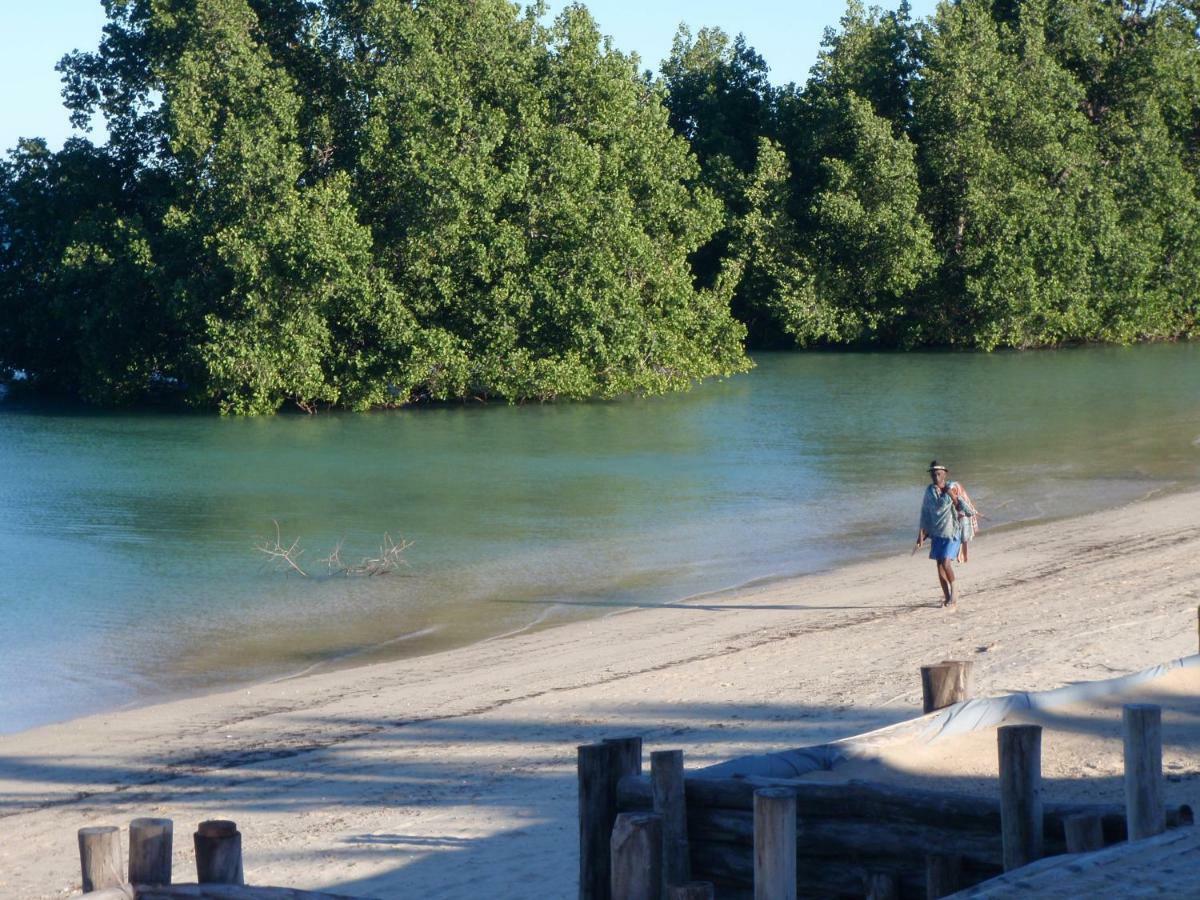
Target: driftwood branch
x,y
388,559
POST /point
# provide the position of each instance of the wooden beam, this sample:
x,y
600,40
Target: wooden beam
x,y
1021,814
774,844
1142,727
666,776
100,857
150,851
636,849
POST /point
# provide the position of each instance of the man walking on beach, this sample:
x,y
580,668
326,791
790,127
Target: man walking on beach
x,y
939,522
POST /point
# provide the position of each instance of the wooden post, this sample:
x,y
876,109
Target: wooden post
x,y
1144,812
1085,833
598,777
945,684
100,857
881,886
1020,749
943,875
637,857
218,853
150,851
693,890
774,844
629,754
666,776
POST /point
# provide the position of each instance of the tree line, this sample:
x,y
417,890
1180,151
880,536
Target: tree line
x,y
366,203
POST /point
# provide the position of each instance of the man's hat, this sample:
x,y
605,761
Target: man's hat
x,y
935,466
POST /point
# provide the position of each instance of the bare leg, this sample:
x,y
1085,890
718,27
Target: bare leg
x,y
946,585
946,570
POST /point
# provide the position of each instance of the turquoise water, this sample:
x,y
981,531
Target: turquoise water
x,y
130,569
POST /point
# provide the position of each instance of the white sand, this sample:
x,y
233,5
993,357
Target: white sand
x,y
453,775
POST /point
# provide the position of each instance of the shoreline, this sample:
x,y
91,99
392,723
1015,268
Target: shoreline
x,y
437,774
343,662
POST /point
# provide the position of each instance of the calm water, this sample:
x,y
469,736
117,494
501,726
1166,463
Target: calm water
x,y
129,568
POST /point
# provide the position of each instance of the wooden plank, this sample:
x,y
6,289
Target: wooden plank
x,y
945,684
1085,833
943,875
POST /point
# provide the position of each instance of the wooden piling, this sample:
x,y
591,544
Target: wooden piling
x,y
1144,812
943,875
629,754
774,844
1085,833
218,853
693,890
666,776
945,684
636,849
881,886
100,857
150,851
598,772
1020,749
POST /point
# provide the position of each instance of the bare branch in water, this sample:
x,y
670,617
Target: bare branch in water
x,y
388,560
281,555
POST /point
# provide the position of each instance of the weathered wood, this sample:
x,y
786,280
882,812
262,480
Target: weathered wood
x,y
881,886
666,777
150,851
774,844
945,684
629,754
863,801
943,875
124,892
692,890
1142,726
227,892
1021,813
1085,833
598,776
637,857
100,857
218,853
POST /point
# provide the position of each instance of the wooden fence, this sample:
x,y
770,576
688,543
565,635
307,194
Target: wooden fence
x,y
645,838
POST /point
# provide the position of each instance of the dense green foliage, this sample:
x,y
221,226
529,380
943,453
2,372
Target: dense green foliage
x,y
368,202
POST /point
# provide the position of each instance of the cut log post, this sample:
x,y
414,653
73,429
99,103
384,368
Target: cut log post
x,y
881,886
666,776
598,777
1085,833
629,754
1144,812
1020,748
637,857
943,875
100,857
693,890
218,853
774,844
150,851
945,684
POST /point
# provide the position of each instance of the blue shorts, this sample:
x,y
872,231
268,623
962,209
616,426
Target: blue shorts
x,y
944,548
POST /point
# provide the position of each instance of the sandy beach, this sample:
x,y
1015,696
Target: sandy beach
x,y
453,775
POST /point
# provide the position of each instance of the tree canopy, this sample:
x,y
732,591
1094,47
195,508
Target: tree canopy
x,y
367,203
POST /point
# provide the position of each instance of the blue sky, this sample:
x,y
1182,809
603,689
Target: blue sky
x,y
36,34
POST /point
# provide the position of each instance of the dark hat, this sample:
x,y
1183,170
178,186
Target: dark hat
x,y
936,466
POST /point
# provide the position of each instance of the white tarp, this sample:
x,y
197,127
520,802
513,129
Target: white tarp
x,y
959,719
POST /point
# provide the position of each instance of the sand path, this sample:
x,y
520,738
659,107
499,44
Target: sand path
x,y
453,775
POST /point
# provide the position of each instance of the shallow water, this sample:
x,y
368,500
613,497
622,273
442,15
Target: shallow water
x,y
130,569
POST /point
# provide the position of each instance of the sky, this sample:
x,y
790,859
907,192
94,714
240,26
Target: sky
x,y
35,35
